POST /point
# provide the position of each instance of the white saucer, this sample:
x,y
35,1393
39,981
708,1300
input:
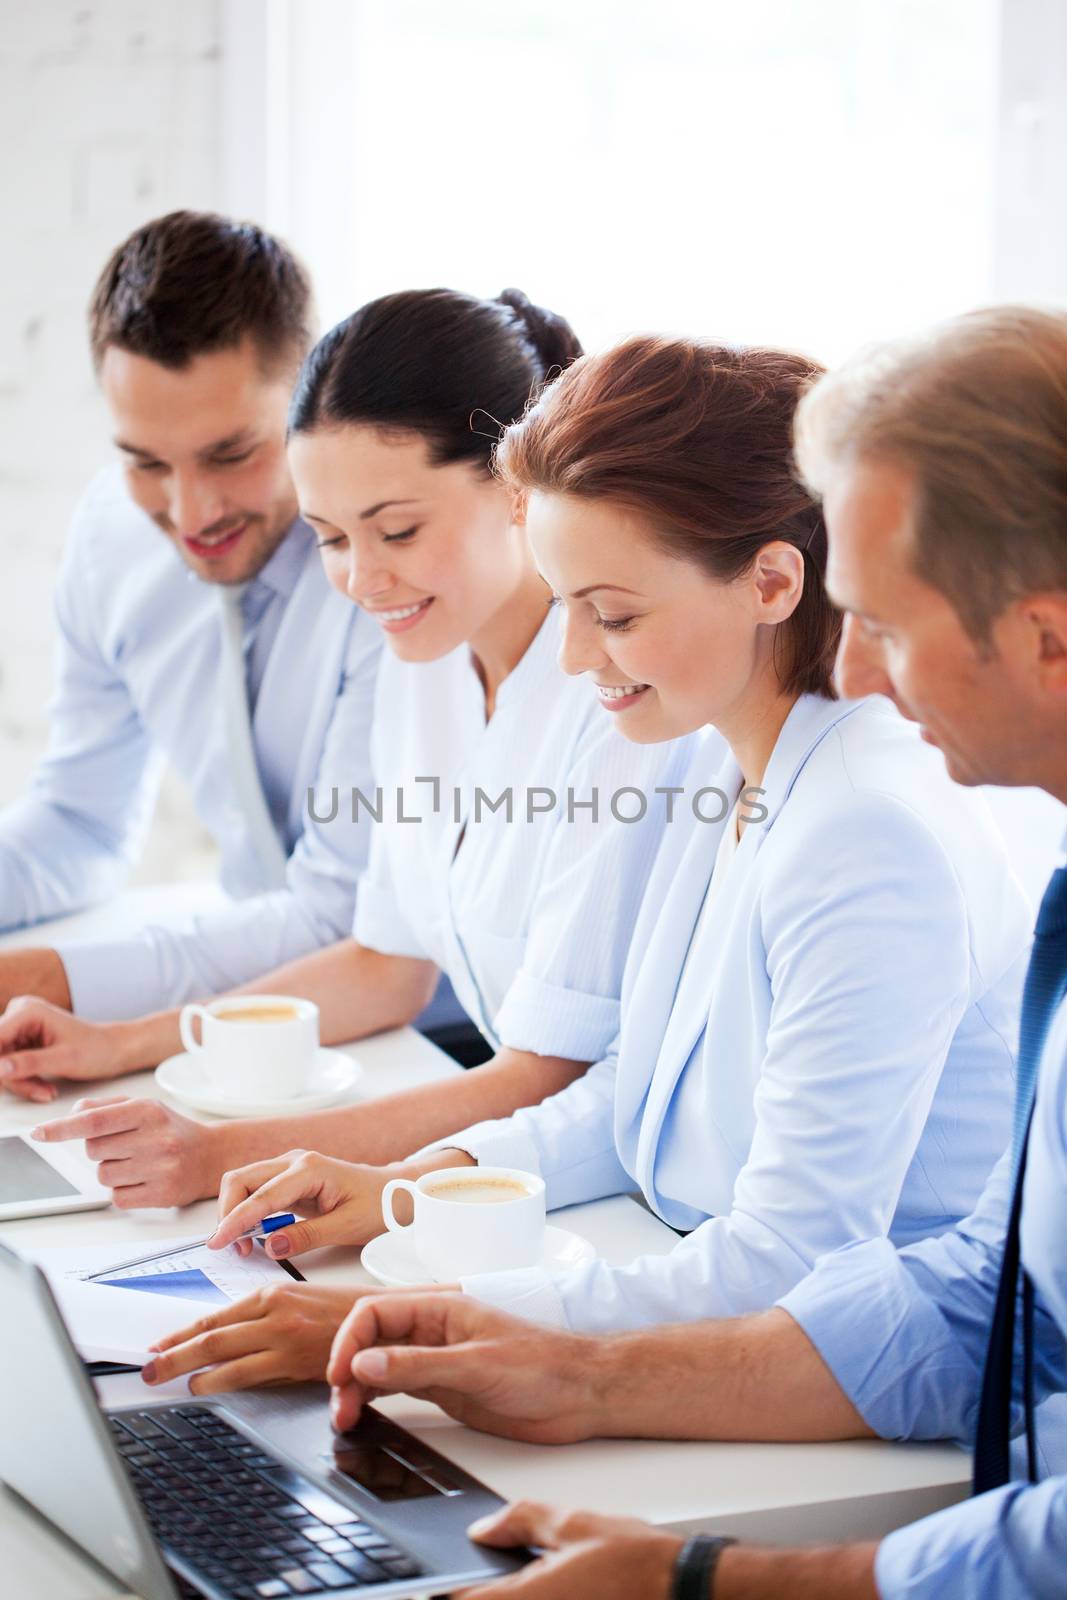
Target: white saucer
x,y
186,1079
392,1260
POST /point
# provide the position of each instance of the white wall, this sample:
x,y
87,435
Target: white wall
x,y
1030,255
109,115
112,111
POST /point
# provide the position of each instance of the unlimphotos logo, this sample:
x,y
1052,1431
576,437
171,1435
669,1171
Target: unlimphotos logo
x,y
627,804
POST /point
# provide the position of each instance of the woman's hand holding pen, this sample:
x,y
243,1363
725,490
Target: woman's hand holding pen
x,y
341,1200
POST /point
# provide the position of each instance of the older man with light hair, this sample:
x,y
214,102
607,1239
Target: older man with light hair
x,y
942,466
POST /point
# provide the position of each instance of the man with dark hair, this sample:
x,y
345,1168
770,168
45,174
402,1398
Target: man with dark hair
x,y
219,645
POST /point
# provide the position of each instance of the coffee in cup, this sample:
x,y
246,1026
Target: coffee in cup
x,y
472,1219
271,1013
487,1191
255,1047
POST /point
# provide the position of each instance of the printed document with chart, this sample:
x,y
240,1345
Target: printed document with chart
x,y
125,1308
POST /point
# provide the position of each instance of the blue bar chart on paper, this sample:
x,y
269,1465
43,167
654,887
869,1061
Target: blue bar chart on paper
x,y
189,1271
188,1283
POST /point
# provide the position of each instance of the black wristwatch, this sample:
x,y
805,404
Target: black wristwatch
x,y
694,1570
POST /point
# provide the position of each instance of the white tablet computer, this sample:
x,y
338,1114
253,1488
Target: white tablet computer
x,y
39,1179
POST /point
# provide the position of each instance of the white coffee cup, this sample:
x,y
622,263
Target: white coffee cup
x,y
472,1219
254,1046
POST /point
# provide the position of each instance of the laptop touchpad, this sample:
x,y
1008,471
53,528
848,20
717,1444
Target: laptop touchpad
x,y
400,1471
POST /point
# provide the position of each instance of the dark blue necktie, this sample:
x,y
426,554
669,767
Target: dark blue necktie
x,y
1046,985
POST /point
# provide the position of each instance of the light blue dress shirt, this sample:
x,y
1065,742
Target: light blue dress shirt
x,y
138,659
905,1332
826,1055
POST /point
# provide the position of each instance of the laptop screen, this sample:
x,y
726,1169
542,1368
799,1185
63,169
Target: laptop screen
x,y
55,1447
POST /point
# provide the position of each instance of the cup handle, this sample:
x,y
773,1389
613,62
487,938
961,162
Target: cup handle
x,y
185,1028
387,1204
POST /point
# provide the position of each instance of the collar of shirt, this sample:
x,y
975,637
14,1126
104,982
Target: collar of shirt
x,y
286,564
282,571
265,598
543,644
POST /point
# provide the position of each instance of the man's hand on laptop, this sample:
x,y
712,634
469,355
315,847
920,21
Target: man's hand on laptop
x,y
487,1369
599,1558
40,1043
148,1155
619,1558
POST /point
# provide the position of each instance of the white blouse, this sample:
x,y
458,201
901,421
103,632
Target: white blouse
x,y
490,859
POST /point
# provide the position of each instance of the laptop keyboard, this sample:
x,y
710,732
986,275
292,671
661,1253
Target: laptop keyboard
x,y
239,1517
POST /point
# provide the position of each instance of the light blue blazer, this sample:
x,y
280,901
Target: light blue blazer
x,y
834,1062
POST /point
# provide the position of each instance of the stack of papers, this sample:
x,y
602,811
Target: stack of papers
x,y
116,1317
105,1329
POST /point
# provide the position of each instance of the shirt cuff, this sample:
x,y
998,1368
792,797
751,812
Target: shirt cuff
x,y
883,1342
528,1292
492,1144
1006,1542
112,981
378,924
550,1021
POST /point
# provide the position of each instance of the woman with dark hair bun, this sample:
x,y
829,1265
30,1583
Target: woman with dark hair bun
x,y
497,858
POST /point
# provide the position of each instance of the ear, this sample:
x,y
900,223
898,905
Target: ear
x,y
778,580
1046,616
519,501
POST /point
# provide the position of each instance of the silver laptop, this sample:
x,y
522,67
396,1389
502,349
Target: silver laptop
x,y
249,1497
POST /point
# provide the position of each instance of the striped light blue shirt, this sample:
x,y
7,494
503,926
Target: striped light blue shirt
x,y
904,1332
138,659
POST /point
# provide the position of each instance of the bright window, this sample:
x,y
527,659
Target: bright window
x,y
815,173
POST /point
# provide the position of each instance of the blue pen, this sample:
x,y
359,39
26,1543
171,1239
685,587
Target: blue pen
x,y
269,1225
261,1231
264,1229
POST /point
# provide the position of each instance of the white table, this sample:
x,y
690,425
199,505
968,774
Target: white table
x,y
778,1493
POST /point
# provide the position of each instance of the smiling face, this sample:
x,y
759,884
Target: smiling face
x,y
668,647
997,712
431,552
203,448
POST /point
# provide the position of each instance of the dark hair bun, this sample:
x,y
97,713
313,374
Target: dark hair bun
x,y
451,367
552,337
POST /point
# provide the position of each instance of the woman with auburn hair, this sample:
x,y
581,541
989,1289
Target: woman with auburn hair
x,y
822,982
818,999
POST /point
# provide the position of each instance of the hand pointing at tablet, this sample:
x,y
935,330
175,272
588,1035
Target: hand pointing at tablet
x,y
147,1154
